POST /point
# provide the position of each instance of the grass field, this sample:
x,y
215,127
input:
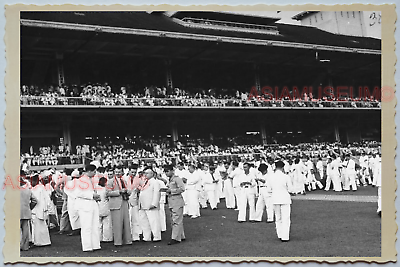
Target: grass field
x,y
318,229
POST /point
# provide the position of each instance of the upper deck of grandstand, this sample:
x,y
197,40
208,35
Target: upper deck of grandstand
x,y
190,50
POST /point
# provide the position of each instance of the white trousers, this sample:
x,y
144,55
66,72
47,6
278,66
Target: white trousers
x,y
328,182
264,201
203,198
211,198
229,194
337,185
218,191
282,220
379,199
163,222
106,233
184,196
193,205
150,223
237,193
350,181
246,196
90,224
135,223
73,214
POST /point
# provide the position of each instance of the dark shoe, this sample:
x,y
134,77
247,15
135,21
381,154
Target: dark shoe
x,y
240,221
183,239
155,241
117,246
284,240
269,221
173,242
380,213
75,232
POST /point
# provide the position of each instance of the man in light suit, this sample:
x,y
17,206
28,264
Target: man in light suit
x,y
149,205
27,201
176,203
118,202
86,200
281,186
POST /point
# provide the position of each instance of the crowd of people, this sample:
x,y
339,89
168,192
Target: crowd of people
x,y
104,95
124,201
162,152
52,156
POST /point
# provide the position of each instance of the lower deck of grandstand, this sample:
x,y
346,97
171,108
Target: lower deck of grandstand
x,y
213,125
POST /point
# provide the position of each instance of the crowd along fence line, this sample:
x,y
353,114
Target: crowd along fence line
x,y
121,102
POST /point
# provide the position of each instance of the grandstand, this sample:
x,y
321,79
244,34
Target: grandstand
x,y
192,75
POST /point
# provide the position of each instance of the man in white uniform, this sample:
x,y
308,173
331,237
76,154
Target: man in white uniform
x,y
86,200
234,174
193,187
227,187
209,183
351,173
280,186
265,193
70,189
247,192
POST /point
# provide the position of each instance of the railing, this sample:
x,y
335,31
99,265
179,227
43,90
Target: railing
x,y
45,101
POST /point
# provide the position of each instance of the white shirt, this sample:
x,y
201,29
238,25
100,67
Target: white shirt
x,y
234,175
280,186
193,181
243,177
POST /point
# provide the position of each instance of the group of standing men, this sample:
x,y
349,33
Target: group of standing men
x,y
104,206
238,183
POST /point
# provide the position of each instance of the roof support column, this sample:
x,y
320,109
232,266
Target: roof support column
x,y
337,135
174,133
60,69
257,77
67,134
263,134
168,73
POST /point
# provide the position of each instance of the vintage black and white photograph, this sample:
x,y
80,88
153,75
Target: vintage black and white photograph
x,y
201,134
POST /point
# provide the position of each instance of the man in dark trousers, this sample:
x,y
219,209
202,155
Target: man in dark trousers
x,y
176,203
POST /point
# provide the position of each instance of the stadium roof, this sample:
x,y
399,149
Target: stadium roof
x,y
226,16
144,23
303,14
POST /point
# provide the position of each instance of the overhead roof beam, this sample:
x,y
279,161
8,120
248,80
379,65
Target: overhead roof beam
x,y
190,36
